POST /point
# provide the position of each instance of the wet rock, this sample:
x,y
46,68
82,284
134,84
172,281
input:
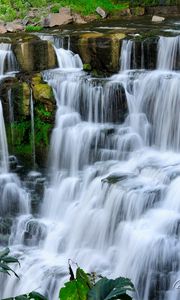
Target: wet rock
x,y
117,177
18,128
35,233
99,50
35,55
101,12
43,94
2,29
13,162
157,19
87,67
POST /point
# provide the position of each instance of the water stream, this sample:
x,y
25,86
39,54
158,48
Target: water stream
x,y
112,202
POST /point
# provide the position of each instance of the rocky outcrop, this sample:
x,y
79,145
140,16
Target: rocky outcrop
x,y
157,19
64,17
35,55
16,94
100,51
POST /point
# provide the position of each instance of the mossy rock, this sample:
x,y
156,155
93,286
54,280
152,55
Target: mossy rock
x,y
87,67
42,92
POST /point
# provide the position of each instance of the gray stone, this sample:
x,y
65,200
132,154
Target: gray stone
x,y
13,27
2,29
59,19
78,19
157,19
101,12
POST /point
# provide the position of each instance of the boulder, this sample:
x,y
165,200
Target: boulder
x,y
35,55
78,19
58,19
101,12
2,29
13,27
157,19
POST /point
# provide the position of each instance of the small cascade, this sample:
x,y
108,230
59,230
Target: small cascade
x,y
3,144
168,53
126,52
32,130
66,58
11,114
7,59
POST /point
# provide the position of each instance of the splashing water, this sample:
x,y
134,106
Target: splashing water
x,y
112,204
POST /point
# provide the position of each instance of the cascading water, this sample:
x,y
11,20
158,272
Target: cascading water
x,y
32,130
112,203
65,57
7,59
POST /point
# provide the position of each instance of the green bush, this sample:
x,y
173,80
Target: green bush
x,y
31,28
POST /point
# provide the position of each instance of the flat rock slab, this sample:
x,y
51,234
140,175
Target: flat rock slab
x,y
59,19
2,29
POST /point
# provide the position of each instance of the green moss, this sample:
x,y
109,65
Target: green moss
x,y
87,67
42,132
42,112
20,131
42,91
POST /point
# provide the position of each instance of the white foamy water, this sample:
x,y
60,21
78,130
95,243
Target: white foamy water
x,y
112,204
7,59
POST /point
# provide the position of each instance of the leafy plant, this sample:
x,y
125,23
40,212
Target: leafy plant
x,y
30,296
5,259
31,28
82,287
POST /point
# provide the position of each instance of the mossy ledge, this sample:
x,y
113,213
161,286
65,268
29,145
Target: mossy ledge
x,y
18,124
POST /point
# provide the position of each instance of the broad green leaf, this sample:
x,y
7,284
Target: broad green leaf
x,y
81,275
22,297
10,259
3,253
74,290
109,289
7,268
36,296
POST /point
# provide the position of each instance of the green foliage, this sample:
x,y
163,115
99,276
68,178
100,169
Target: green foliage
x,y
5,259
31,28
31,296
84,288
109,289
88,7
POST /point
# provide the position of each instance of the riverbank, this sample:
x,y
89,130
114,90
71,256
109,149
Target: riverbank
x,y
32,18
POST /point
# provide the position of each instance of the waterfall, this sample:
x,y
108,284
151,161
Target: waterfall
x,y
7,59
125,58
65,57
3,144
168,52
112,202
32,130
